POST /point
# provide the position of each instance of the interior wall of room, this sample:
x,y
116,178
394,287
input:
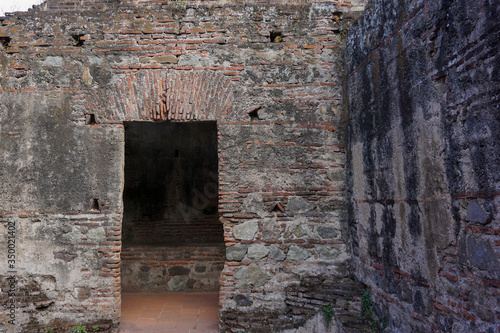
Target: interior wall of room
x,y
422,94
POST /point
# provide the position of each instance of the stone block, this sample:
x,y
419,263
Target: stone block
x,y
236,252
257,251
178,270
166,59
200,268
242,300
298,204
246,230
296,253
326,252
327,232
476,214
251,276
176,284
275,253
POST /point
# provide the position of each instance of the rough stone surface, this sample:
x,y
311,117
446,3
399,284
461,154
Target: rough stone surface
x,y
276,253
326,252
242,300
298,204
251,276
254,203
246,230
198,266
296,253
476,214
481,255
176,283
327,232
166,59
423,173
236,252
74,75
257,251
178,270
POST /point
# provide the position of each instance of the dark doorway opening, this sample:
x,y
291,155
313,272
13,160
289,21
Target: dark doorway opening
x,y
171,234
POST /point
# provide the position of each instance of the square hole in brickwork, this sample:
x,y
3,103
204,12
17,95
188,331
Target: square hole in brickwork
x,y
78,38
95,204
276,36
170,208
90,119
5,41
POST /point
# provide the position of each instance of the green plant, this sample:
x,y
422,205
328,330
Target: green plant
x,y
367,317
347,302
178,4
48,330
83,329
366,307
383,323
80,328
327,313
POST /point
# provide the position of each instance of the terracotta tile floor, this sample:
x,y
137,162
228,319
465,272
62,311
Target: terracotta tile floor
x,y
168,313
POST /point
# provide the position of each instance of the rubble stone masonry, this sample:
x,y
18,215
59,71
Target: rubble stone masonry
x,y
424,159
351,162
269,74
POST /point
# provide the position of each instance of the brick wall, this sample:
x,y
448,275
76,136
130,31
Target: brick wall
x,y
68,260
423,167
71,78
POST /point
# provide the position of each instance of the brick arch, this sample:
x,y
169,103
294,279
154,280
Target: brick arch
x,y
160,95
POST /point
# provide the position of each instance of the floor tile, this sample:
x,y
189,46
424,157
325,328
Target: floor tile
x,y
170,313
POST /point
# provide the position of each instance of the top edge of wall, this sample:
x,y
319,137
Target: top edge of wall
x,y
94,5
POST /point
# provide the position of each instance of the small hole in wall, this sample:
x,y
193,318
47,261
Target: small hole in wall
x,y
95,205
254,115
337,16
90,119
276,36
177,153
78,39
5,40
278,207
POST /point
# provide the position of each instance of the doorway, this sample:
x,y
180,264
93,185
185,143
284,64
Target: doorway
x,y
172,239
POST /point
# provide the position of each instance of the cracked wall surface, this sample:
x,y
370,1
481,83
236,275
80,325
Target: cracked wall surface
x,y
72,74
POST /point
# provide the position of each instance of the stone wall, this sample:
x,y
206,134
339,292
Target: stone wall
x,y
269,75
423,100
157,269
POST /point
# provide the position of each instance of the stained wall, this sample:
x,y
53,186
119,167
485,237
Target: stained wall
x,y
72,75
423,162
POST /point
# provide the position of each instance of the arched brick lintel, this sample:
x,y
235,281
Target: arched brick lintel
x,y
159,95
